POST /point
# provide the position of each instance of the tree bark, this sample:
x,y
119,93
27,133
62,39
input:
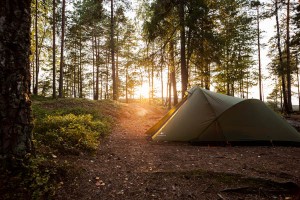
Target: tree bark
x,y
112,44
35,89
288,60
184,70
161,77
298,81
259,62
282,71
61,69
53,52
16,121
97,70
173,72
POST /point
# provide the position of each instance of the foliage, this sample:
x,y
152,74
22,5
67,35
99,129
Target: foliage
x,y
63,126
69,131
71,125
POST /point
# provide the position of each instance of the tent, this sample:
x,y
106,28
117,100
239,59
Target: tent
x,y
207,117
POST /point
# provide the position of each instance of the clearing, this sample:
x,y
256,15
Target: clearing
x,y
130,166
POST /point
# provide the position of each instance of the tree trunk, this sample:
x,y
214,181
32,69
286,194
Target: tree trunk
x,y
161,77
184,70
53,51
173,72
16,121
259,63
93,52
126,84
298,81
97,70
282,71
288,60
112,44
207,75
61,69
35,89
80,69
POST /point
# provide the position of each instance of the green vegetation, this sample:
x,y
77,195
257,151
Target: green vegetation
x,y
63,127
70,126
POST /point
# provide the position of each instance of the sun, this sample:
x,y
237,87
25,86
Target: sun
x,y
143,91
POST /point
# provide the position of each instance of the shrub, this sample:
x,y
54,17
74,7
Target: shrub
x,y
71,132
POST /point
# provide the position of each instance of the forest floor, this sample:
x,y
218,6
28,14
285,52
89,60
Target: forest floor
x,y
127,165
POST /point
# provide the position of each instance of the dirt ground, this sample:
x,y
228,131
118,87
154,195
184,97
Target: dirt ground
x,y
130,166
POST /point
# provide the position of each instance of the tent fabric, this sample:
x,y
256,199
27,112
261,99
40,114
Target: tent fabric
x,y
208,117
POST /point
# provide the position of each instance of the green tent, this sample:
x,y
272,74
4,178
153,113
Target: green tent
x,y
208,117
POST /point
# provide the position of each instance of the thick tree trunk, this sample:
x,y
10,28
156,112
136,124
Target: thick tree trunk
x,y
184,70
53,51
16,120
61,69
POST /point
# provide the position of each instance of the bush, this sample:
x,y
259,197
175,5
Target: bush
x,y
70,132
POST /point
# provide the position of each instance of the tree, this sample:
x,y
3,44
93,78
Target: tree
x,y
16,120
257,4
53,51
61,69
113,67
35,87
288,60
183,67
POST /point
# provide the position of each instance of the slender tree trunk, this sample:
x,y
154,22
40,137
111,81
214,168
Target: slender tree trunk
x,y
173,72
53,51
112,44
97,70
298,81
259,62
282,70
61,69
93,52
16,121
117,65
184,70
101,86
106,86
288,60
162,78
80,70
126,84
35,90
75,63
33,75
152,80
207,75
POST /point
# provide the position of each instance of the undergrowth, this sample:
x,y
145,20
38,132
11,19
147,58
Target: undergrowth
x,y
63,127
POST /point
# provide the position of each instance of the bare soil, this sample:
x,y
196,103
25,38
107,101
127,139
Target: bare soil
x,y
130,166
